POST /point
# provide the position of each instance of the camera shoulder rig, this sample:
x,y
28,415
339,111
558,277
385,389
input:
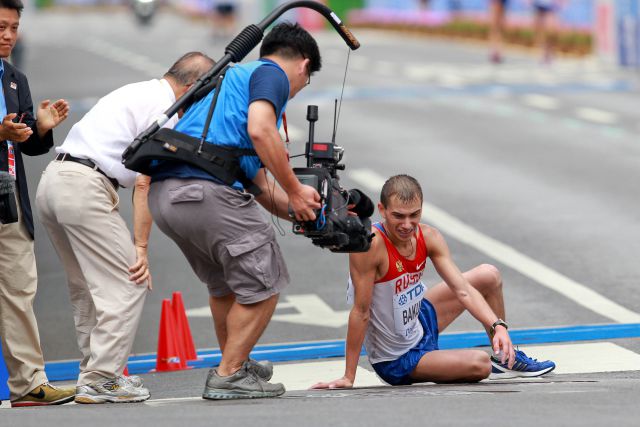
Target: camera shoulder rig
x,y
222,162
165,146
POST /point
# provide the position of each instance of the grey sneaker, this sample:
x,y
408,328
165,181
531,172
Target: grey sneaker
x,y
135,380
113,390
244,384
262,369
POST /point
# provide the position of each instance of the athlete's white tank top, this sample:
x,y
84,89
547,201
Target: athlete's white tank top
x,y
393,325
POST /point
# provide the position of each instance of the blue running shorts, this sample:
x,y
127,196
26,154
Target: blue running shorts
x,y
396,372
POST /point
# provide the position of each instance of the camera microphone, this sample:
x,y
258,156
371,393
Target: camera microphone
x,y
8,208
363,204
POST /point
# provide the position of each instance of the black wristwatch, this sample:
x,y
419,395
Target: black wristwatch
x,y
498,322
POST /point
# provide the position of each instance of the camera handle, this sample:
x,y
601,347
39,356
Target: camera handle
x,y
235,51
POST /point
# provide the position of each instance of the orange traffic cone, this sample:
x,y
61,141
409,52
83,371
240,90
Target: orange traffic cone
x,y
185,340
168,356
126,371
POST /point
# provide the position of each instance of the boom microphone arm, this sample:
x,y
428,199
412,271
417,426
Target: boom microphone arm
x,y
235,51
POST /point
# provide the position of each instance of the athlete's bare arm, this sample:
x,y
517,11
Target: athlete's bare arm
x,y
468,296
364,268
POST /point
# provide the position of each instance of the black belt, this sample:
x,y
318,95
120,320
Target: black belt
x,y
64,157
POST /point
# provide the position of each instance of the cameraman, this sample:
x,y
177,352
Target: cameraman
x,y
78,203
220,229
20,132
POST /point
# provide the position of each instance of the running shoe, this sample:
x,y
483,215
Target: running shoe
x,y
524,366
244,384
111,390
262,369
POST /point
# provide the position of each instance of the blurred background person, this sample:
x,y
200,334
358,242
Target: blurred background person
x,y
544,24
223,19
497,11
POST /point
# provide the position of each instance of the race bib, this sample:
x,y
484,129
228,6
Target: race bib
x,y
406,307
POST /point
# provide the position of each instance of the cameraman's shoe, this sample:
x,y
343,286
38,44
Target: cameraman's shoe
x,y
262,369
244,384
112,390
43,395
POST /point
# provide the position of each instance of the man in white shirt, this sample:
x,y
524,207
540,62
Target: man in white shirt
x,y
77,201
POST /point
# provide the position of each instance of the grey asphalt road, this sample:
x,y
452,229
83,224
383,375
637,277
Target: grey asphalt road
x,y
542,159
569,400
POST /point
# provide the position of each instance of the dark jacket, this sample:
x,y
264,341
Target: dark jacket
x,y
18,99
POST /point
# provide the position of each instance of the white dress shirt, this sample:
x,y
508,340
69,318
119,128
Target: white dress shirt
x,y
112,124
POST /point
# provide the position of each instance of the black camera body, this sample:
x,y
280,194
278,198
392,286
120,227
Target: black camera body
x,y
334,228
8,207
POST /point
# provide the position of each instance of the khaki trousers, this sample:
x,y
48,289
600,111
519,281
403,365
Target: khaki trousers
x,y
18,326
79,208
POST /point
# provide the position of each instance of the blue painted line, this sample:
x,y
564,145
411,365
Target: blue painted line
x,y
141,364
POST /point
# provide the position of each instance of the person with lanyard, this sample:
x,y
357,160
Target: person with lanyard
x,y
78,203
217,223
399,320
21,133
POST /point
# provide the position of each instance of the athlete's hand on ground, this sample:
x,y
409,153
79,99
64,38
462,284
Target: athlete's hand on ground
x,y
303,202
140,270
343,382
503,346
16,132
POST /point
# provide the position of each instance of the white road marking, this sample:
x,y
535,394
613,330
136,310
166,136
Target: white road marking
x,y
596,116
385,68
420,72
580,294
586,358
124,57
542,102
199,312
361,63
312,310
205,311
301,376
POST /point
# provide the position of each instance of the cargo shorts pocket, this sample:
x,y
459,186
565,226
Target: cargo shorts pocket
x,y
186,193
253,262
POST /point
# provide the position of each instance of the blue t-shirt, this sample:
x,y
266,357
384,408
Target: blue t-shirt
x,y
242,85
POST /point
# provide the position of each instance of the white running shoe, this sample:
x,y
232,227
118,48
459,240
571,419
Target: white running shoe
x,y
111,390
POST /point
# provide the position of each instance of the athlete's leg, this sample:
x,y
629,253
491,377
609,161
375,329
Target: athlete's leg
x,y
220,307
485,278
448,366
245,325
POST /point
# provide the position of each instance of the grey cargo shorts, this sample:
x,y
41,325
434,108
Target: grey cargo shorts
x,y
224,235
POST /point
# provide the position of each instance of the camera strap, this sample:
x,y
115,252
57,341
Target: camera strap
x,y
212,107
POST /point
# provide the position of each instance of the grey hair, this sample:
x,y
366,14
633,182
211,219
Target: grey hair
x,y
189,67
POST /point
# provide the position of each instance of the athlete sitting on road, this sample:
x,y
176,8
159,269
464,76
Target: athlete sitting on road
x,y
399,319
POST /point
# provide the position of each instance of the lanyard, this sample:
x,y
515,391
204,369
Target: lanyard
x,y
11,157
